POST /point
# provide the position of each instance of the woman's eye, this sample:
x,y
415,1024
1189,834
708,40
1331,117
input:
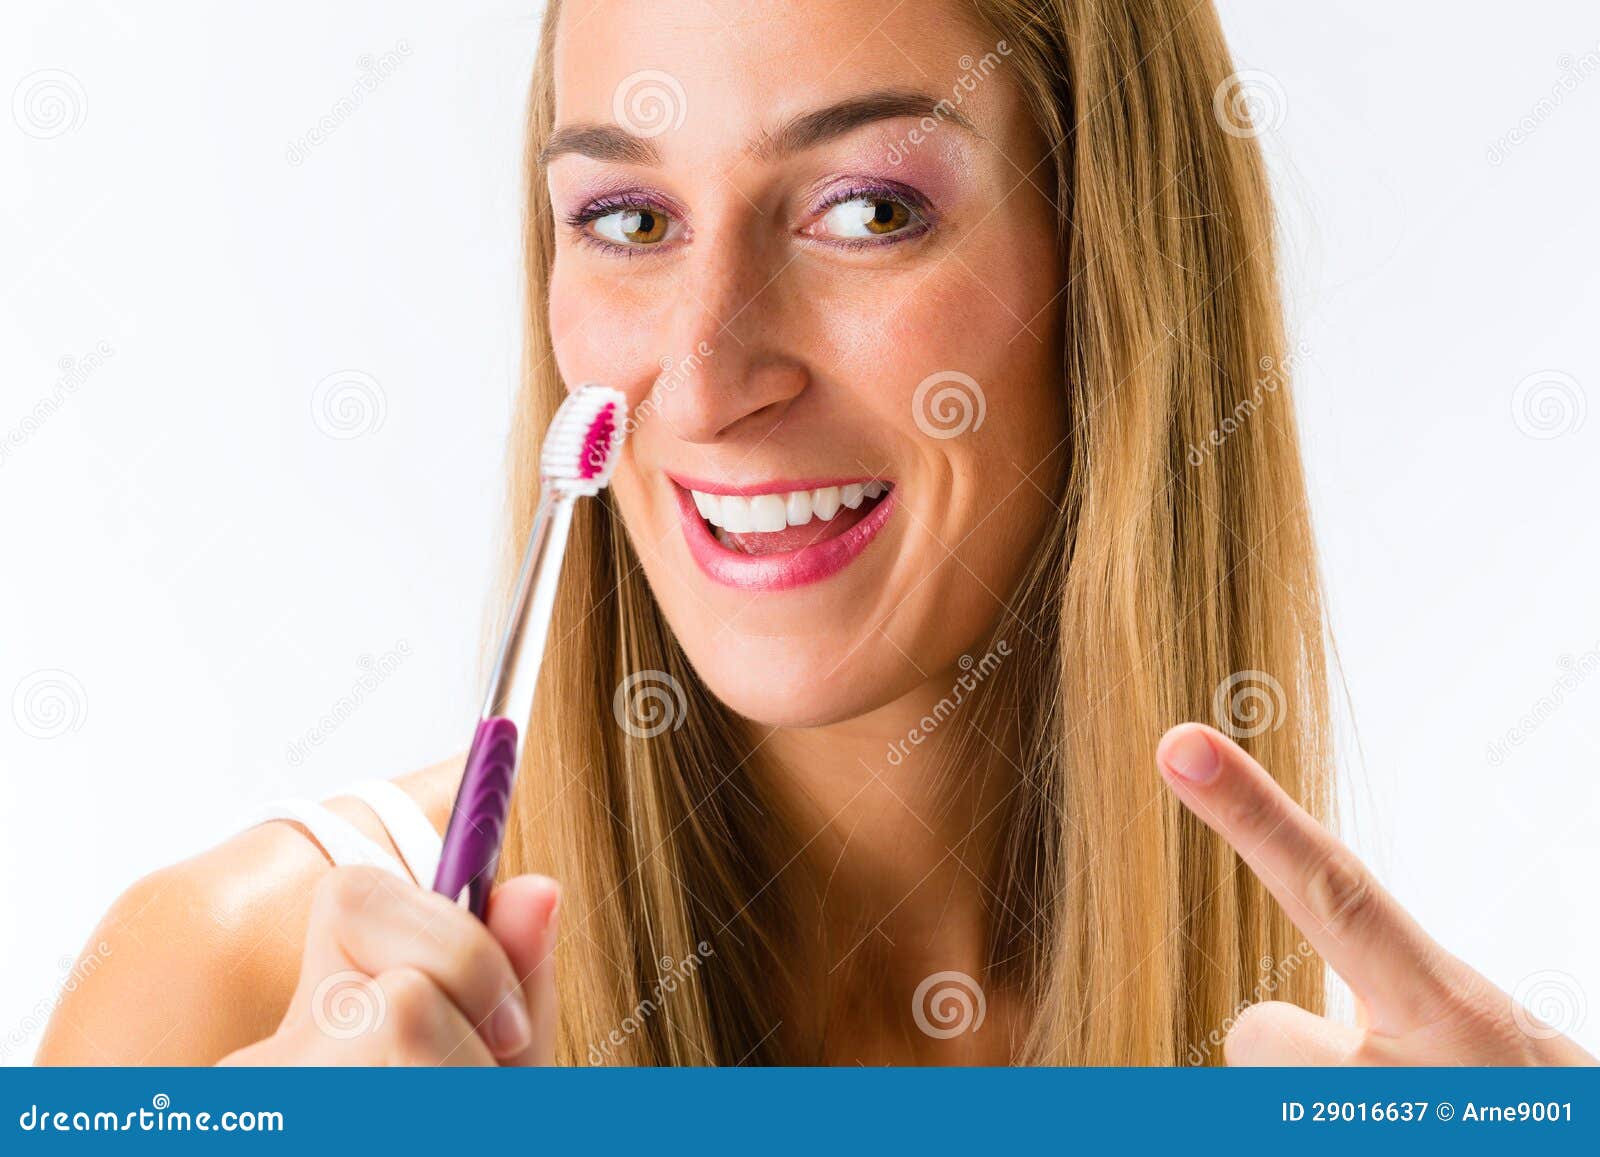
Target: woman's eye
x,y
634,226
867,216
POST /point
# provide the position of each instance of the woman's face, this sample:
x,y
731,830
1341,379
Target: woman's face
x,y
822,296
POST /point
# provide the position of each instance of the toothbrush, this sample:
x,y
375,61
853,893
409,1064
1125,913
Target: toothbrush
x,y
579,453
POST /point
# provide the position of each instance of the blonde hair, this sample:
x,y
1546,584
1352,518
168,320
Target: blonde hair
x,y
1135,934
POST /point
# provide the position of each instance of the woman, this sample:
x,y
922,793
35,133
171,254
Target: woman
x,y
962,469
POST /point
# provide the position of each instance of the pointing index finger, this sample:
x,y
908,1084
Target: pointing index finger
x,y
1357,926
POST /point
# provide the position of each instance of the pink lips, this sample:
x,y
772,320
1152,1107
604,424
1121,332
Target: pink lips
x,y
783,570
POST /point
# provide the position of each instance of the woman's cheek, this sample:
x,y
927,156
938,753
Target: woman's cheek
x,y
600,334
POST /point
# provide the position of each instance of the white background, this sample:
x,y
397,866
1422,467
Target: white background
x,y
212,570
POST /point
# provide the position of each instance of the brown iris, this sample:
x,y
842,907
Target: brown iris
x,y
643,226
885,216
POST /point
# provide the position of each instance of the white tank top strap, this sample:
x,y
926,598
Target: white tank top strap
x,y
410,829
342,842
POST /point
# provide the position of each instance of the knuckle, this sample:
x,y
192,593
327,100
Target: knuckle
x,y
412,1005
1340,892
449,934
467,949
477,956
1251,811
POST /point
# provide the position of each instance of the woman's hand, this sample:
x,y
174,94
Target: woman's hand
x,y
1419,1005
394,974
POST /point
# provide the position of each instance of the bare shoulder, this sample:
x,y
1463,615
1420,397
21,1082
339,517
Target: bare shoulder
x,y
200,958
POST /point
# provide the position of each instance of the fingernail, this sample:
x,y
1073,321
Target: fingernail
x,y
1191,756
510,1030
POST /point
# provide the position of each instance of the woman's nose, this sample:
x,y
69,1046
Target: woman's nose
x,y
733,371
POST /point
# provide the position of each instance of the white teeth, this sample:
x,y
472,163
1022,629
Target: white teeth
x,y
825,503
797,508
735,514
766,513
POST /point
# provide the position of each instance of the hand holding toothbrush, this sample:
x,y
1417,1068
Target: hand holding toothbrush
x,y
393,974
462,974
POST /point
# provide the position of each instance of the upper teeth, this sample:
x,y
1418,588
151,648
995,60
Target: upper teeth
x,y
768,512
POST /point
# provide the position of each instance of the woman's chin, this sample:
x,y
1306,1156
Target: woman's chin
x,y
802,697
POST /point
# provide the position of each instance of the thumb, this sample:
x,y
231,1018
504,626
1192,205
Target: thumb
x,y
522,917
1278,1033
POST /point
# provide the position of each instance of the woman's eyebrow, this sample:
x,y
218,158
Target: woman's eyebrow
x,y
610,142
808,130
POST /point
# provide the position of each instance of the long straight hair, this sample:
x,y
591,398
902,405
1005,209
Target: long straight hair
x,y
1178,582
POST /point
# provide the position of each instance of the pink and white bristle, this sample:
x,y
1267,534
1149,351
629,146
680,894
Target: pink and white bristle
x,y
584,441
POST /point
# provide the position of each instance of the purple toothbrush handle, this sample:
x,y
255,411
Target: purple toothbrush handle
x,y
471,849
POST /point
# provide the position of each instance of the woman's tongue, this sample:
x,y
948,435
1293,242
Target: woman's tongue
x,y
794,537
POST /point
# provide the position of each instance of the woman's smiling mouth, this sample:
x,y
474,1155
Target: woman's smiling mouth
x,y
780,534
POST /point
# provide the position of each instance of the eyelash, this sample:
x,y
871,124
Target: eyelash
x,y
910,198
579,220
600,207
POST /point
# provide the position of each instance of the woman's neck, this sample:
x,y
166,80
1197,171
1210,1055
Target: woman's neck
x,y
897,827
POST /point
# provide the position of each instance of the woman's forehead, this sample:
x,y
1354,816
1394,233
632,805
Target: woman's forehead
x,y
730,73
